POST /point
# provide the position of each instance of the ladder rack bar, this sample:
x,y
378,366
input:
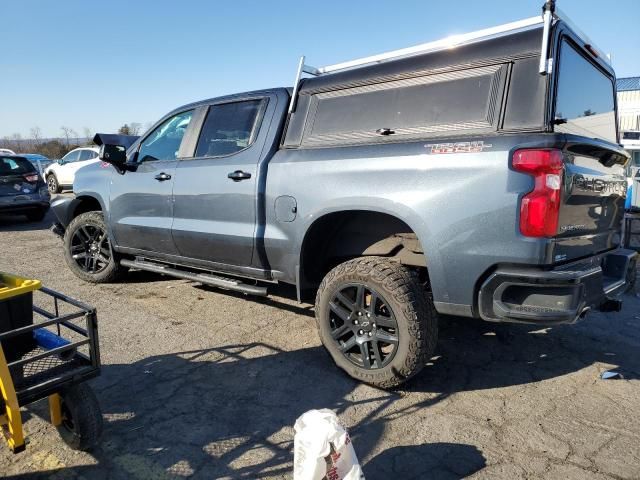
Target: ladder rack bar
x,y
445,43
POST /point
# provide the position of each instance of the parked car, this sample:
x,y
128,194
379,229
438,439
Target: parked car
x,y
22,189
6,151
61,174
39,161
394,189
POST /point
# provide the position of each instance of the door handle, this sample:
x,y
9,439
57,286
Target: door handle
x,y
161,177
239,175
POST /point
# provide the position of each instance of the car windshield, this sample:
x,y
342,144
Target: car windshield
x,y
15,166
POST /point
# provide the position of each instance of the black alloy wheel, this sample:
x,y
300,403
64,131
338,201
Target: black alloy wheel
x,y
363,325
90,248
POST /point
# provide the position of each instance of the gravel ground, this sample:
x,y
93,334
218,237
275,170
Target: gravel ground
x,y
198,383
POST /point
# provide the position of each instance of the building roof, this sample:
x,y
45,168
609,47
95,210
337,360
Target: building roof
x,y
629,83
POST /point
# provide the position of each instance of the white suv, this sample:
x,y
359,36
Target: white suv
x,y
61,174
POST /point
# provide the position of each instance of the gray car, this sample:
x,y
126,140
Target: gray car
x,y
481,181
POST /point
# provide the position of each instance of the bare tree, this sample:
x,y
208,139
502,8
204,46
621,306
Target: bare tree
x,y
36,136
68,133
13,142
134,128
88,135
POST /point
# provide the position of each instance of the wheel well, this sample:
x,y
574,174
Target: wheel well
x,y
338,237
86,204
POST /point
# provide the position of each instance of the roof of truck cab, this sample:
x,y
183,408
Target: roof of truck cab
x,y
234,96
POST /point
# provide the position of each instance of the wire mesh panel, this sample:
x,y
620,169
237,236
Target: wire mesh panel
x,y
66,349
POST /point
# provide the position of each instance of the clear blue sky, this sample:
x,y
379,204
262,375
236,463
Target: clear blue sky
x,y
101,64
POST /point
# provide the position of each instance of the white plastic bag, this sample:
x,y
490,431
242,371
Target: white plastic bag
x,y
323,449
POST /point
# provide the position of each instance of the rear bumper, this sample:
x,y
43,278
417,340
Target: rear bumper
x,y
29,203
561,295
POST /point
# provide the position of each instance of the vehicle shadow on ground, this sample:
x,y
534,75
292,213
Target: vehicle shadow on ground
x,y
20,223
229,411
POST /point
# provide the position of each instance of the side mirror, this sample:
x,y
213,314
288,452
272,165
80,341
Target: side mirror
x,y
116,155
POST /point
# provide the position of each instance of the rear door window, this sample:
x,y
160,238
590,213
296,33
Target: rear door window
x,y
86,155
229,128
71,156
584,97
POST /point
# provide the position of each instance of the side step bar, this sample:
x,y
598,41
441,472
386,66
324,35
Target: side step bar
x,y
205,278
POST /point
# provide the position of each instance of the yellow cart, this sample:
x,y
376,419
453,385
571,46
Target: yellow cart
x,y
47,352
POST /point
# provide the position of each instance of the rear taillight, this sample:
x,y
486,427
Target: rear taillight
x,y
31,177
540,208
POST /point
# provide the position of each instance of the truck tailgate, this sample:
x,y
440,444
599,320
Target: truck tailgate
x,y
592,199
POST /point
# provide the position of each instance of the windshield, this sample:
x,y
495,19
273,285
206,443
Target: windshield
x,y
584,99
15,166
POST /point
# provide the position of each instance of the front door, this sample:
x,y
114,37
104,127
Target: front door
x,y
215,190
141,204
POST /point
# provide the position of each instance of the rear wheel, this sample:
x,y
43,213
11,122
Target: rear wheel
x,y
376,320
88,251
52,184
82,424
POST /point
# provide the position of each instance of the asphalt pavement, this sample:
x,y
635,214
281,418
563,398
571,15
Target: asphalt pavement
x,y
202,383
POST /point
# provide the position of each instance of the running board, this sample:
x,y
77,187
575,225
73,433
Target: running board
x,y
205,278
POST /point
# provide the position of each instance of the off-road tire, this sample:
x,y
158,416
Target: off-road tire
x,y
114,270
36,215
413,307
84,429
52,183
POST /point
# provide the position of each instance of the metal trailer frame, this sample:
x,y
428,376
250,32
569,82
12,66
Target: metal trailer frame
x,y
50,373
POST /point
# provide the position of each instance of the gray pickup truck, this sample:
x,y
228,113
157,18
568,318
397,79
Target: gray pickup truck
x,y
478,176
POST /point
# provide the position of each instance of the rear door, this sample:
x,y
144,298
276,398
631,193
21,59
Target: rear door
x,y
215,190
141,205
594,186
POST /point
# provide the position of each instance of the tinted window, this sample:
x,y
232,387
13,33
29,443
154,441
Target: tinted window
x,y
584,99
86,155
163,143
228,128
71,156
421,106
15,166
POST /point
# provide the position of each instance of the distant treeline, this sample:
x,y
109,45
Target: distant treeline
x,y
55,148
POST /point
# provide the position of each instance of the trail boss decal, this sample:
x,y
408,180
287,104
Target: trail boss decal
x,y
458,147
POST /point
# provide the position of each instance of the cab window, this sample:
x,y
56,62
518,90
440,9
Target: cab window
x,y
228,128
163,143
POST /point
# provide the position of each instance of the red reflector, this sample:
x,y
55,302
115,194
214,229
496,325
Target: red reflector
x,y
540,208
31,177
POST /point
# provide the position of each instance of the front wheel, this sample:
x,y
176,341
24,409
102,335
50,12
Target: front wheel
x,y
88,250
376,320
